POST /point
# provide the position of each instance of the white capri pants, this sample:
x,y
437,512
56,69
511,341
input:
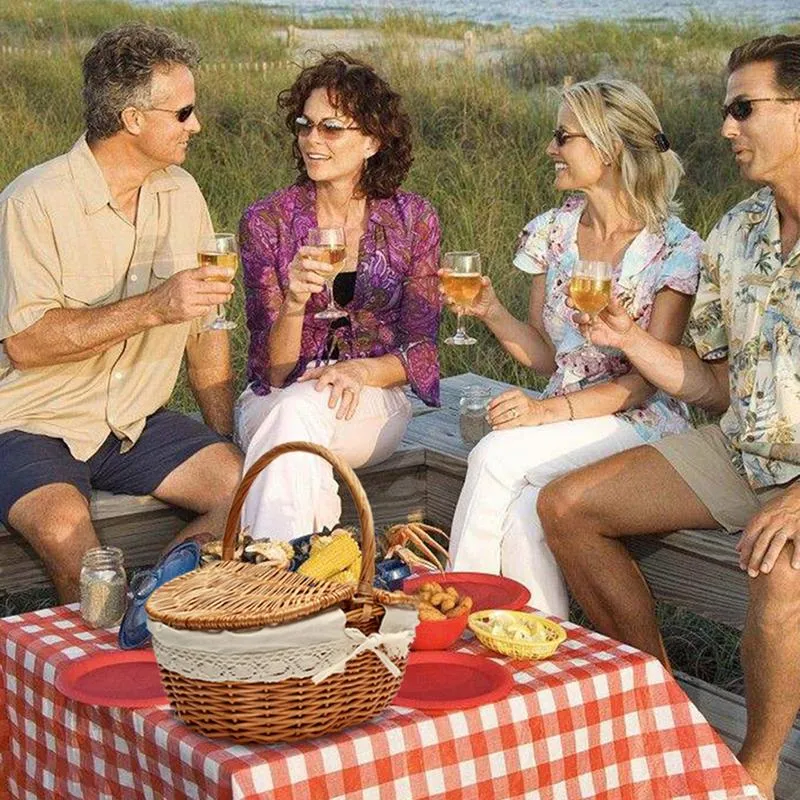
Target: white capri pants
x,y
496,528
297,493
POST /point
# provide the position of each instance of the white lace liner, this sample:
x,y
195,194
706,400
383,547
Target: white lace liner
x,y
314,647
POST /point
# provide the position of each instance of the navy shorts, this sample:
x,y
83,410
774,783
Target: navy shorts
x,y
28,460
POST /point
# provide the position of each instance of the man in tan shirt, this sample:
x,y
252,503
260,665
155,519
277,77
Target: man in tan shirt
x,y
101,297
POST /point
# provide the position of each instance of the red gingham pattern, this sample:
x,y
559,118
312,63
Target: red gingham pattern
x,y
599,720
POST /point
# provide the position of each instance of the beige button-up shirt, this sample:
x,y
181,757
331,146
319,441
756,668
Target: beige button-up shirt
x,y
64,244
748,309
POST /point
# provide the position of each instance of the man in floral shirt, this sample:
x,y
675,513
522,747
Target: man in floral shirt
x,y
741,473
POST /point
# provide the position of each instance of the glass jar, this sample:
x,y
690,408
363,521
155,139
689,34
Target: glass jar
x,y
472,413
104,591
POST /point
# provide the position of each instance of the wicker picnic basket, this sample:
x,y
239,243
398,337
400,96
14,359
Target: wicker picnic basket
x,y
232,596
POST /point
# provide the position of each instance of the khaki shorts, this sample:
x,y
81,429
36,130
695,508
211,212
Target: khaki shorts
x,y
701,458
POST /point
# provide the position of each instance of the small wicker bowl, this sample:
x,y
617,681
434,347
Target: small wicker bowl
x,y
480,623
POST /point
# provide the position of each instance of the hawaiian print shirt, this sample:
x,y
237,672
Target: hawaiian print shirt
x,y
396,304
669,258
748,310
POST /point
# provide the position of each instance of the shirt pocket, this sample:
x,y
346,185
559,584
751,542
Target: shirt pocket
x,y
85,291
162,269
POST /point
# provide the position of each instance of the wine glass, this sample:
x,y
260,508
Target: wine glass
x,y
590,290
219,250
461,282
332,250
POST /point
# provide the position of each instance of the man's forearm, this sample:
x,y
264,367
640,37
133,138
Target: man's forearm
x,y
208,368
65,335
676,370
216,406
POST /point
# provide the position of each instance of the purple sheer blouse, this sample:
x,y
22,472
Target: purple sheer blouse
x,y
396,305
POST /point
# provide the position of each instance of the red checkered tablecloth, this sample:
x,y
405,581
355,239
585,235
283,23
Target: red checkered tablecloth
x,y
598,720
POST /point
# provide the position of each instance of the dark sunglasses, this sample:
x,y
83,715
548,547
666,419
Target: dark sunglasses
x,y
562,137
181,114
740,109
329,128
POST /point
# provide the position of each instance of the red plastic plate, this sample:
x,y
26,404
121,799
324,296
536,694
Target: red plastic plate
x,y
486,591
115,678
442,680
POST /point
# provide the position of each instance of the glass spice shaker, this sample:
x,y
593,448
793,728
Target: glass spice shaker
x,y
104,591
472,413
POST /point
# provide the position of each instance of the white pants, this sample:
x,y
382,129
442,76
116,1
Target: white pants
x,y
297,493
496,528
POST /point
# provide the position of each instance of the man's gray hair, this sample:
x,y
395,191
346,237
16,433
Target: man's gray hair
x,y
118,70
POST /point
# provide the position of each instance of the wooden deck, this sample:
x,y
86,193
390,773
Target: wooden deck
x,y
697,570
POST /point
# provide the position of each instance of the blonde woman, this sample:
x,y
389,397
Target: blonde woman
x,y
611,156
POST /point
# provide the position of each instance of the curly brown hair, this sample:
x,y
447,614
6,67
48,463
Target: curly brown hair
x,y
357,90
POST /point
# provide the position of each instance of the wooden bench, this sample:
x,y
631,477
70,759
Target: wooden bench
x,y
697,570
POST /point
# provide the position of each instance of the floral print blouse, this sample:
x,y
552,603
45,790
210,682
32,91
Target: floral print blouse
x,y
396,304
748,310
670,258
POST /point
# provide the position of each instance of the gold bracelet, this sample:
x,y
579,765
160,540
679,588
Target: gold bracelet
x,y
571,409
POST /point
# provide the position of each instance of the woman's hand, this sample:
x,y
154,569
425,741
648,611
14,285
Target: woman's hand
x,y
514,409
610,328
306,275
346,380
486,303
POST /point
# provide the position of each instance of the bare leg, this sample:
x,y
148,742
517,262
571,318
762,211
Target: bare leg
x,y
771,661
55,520
205,484
586,513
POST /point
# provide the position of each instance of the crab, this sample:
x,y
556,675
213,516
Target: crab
x,y
418,535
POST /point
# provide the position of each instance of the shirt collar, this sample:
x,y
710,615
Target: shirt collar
x,y
646,245
91,182
759,205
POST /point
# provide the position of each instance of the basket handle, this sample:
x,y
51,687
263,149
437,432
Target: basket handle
x,y
353,484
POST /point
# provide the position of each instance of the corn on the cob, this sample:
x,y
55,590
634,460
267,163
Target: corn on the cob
x,y
337,555
348,574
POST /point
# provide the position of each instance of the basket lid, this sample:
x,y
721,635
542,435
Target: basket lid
x,y
231,595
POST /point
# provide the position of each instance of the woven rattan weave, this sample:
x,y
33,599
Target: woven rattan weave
x,y
234,596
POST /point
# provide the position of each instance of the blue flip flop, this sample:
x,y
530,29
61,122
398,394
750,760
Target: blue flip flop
x,y
182,558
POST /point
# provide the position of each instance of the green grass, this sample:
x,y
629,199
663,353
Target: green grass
x,y
479,150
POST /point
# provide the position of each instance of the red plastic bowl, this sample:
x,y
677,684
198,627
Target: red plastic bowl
x,y
439,634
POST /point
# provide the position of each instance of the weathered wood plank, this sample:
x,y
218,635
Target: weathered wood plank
x,y
141,536
698,572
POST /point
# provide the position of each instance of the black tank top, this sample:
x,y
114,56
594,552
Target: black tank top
x,y
344,287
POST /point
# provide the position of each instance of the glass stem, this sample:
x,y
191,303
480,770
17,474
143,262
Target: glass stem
x,y
460,324
331,304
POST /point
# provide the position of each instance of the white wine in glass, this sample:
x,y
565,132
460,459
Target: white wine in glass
x,y
331,250
590,288
219,250
461,282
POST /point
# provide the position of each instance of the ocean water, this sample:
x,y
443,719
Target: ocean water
x,y
527,13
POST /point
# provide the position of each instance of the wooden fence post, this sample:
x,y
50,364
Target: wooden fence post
x,y
469,46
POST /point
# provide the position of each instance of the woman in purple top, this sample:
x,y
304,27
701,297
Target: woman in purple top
x,y
339,382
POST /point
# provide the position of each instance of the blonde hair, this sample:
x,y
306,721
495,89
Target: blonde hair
x,y
620,121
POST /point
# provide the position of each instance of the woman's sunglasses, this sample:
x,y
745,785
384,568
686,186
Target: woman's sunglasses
x,y
562,137
740,109
329,128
